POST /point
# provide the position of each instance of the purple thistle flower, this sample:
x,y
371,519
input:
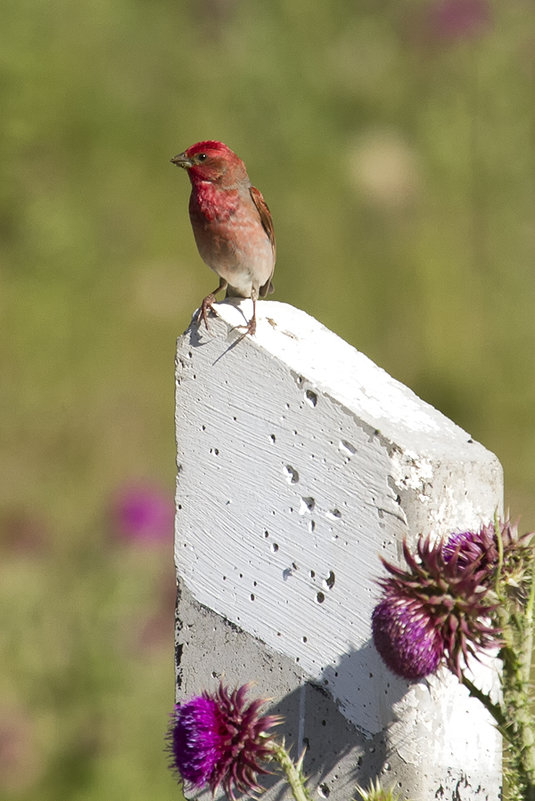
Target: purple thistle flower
x,y
439,608
481,548
195,737
219,739
144,514
473,547
406,637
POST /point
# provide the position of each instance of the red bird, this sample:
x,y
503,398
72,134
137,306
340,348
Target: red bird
x,y
231,223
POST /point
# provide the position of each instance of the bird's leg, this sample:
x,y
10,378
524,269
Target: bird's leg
x,y
208,302
250,328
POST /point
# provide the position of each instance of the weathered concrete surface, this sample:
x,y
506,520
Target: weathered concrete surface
x,y
299,462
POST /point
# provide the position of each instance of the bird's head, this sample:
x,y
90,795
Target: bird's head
x,y
212,161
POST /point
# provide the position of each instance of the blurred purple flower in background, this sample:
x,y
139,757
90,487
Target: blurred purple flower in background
x,y
459,19
144,514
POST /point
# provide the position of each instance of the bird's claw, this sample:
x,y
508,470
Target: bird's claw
x,y
206,306
250,328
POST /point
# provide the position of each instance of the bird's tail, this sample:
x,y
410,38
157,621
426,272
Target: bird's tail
x,y
267,289
264,290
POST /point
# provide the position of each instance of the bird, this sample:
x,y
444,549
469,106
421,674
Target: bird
x,y
231,223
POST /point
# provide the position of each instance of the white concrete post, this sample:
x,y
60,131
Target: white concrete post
x,y
299,462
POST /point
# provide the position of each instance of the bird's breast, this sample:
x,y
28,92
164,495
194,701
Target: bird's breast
x,y
209,204
231,239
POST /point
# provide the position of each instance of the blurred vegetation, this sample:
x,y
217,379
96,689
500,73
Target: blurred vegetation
x,y
395,145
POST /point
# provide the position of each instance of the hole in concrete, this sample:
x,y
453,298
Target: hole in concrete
x,y
329,581
306,505
274,547
320,597
292,476
273,438
346,447
311,397
324,791
334,514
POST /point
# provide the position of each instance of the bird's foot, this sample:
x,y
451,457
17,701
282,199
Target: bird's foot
x,y
206,306
250,328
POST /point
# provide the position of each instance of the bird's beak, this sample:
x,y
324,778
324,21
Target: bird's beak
x,y
182,161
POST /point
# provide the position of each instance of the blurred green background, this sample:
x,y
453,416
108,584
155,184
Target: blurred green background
x,y
394,143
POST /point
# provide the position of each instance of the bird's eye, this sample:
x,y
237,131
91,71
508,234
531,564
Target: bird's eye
x,y
201,157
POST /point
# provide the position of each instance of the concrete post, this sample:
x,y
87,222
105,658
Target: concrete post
x,y
299,462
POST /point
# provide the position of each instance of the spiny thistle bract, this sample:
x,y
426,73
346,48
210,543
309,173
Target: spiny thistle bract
x,y
507,553
376,793
437,609
218,739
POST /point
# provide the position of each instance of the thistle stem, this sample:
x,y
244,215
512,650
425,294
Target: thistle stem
x,y
528,645
516,623
494,709
293,773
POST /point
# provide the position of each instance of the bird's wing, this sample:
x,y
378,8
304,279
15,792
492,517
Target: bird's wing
x,y
265,215
267,225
